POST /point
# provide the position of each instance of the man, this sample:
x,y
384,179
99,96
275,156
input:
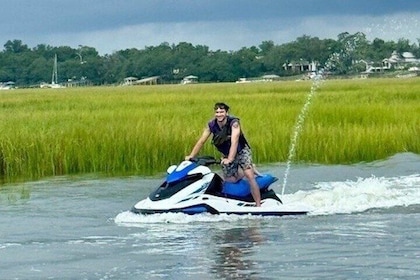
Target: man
x,y
230,141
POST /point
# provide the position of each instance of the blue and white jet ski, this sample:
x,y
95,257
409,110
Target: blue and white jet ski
x,y
193,188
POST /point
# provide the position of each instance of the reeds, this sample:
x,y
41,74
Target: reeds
x,y
141,130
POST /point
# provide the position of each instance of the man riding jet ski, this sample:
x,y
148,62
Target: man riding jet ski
x,y
193,188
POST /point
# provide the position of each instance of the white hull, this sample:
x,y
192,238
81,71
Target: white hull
x,y
219,205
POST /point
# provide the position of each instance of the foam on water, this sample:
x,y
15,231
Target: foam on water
x,y
131,219
326,198
360,195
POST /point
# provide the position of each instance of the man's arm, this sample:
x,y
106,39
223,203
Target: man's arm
x,y
234,141
199,144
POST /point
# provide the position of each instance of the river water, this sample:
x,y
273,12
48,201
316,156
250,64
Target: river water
x,y
365,225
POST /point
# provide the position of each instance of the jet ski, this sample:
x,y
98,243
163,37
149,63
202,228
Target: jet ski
x,y
191,187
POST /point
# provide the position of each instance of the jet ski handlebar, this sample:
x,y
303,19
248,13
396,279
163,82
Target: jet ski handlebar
x,y
205,160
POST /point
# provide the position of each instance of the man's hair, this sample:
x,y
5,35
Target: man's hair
x,y
221,105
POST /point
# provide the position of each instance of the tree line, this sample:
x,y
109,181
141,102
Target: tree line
x,y
31,66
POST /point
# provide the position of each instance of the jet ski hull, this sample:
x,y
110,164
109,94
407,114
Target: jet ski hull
x,y
222,205
201,209
192,188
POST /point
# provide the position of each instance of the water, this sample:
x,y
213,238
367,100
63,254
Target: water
x,y
364,226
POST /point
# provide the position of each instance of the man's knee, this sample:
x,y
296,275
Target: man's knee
x,y
249,172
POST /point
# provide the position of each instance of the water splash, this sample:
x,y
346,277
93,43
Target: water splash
x,y
317,80
130,219
380,193
333,62
394,27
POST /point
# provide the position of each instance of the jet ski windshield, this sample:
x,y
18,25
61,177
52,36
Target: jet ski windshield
x,y
168,189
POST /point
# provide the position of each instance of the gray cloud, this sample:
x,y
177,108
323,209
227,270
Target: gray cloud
x,y
110,25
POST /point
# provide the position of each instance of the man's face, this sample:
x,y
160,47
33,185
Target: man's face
x,y
220,114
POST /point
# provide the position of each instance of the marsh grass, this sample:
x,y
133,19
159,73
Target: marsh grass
x,y
141,130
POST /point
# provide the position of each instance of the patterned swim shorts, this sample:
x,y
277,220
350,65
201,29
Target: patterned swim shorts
x,y
243,159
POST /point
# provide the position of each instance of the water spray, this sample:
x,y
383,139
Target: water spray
x,y
316,82
334,61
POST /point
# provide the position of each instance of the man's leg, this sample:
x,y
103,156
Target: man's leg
x,y
255,189
245,161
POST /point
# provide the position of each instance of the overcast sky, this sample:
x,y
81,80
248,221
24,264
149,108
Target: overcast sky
x,y
112,25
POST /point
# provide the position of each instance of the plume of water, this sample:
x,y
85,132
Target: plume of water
x,y
335,61
316,82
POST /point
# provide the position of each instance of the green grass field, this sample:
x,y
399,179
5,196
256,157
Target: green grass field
x,y
141,130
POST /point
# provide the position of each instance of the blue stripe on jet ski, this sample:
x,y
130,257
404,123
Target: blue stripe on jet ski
x,y
268,213
177,175
191,210
194,210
